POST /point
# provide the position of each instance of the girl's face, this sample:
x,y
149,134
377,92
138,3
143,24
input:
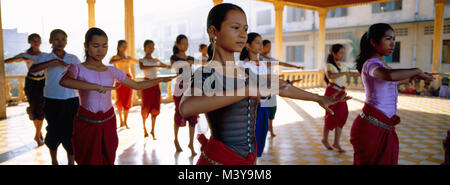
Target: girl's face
x,y
386,45
267,48
123,47
97,47
255,46
339,55
149,48
232,35
35,42
183,45
59,41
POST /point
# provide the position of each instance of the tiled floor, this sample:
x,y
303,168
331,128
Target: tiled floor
x,y
298,125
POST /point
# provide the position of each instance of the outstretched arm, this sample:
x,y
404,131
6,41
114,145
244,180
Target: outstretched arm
x,y
17,59
144,84
289,65
323,101
332,75
160,64
41,66
401,74
69,81
193,105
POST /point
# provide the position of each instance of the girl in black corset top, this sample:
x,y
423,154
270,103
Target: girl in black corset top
x,y
231,118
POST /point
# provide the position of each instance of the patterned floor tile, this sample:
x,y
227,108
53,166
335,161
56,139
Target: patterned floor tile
x,y
298,125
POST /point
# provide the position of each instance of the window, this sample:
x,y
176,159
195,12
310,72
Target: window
x,y
394,57
445,51
295,14
263,18
295,53
337,12
387,6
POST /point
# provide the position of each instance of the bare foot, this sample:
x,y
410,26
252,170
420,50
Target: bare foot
x,y
177,146
153,135
124,125
192,150
273,135
326,144
145,133
338,147
55,163
39,141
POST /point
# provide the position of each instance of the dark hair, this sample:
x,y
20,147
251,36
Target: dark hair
x,y
265,42
375,32
30,38
148,42
245,53
216,16
120,42
180,37
56,32
88,37
202,46
330,59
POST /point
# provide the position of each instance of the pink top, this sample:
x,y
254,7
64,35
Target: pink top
x,y
93,100
380,93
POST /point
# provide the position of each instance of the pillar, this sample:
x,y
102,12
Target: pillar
x,y
216,2
321,45
91,12
279,7
2,73
437,37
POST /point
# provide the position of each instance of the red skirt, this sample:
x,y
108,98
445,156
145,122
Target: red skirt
x,y
374,145
95,143
216,151
340,109
151,101
124,100
178,118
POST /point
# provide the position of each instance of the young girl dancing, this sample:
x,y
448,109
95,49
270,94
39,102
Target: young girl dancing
x,y
95,138
373,135
231,118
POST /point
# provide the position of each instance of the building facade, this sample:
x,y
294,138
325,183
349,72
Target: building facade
x,y
411,19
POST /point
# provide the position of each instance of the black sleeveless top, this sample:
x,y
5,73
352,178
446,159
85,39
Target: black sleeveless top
x,y
234,125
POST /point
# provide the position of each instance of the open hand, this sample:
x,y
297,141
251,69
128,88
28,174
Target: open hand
x,y
166,79
104,89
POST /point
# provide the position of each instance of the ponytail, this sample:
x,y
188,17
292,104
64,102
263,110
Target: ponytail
x,y
365,50
210,52
335,48
244,54
175,50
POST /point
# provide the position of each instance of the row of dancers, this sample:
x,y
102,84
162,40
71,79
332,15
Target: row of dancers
x,y
86,125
